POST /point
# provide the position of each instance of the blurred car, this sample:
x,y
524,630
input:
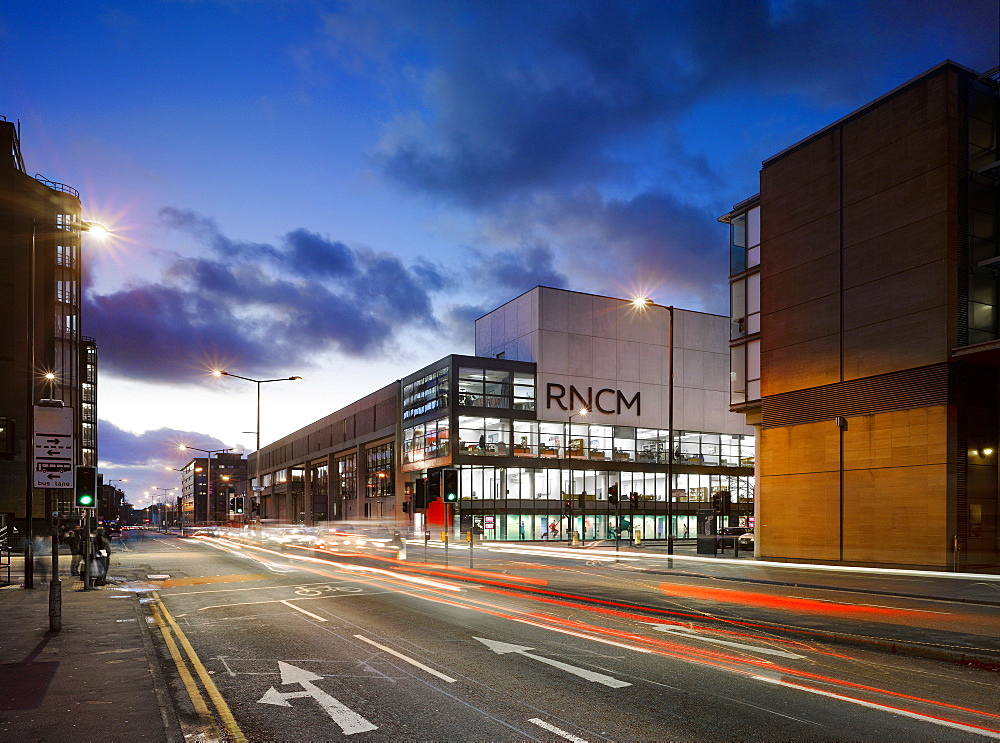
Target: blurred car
x,y
729,534
746,540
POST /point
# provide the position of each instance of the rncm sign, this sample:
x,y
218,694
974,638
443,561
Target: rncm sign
x,y
605,400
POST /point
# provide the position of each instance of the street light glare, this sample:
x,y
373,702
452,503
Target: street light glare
x,y
642,301
217,372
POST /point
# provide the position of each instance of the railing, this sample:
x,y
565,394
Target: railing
x,y
57,186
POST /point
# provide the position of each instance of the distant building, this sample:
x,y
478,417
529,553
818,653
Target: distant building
x,y
865,332
40,332
528,465
207,487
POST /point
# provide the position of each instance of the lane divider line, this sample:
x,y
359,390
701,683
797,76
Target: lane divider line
x,y
988,732
317,617
225,714
558,731
411,661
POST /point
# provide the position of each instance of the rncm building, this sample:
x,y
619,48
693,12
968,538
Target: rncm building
x,y
865,333
508,420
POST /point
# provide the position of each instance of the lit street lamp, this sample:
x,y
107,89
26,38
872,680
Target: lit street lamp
x,y
208,477
569,433
164,506
642,303
55,603
258,382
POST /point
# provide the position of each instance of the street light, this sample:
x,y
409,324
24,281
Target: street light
x,y
258,382
642,303
29,468
208,477
582,411
163,504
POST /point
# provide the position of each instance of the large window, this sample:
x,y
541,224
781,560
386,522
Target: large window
x,y
492,388
378,461
426,441
428,393
484,436
346,473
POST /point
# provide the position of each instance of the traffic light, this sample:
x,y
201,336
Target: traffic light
x,y
86,487
232,505
724,503
420,494
613,493
433,486
406,506
449,485
633,499
568,505
238,503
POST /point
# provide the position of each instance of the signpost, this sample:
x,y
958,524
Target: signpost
x,y
53,443
53,455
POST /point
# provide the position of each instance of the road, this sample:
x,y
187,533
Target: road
x,y
263,644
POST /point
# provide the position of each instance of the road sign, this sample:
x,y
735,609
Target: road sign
x,y
258,488
53,444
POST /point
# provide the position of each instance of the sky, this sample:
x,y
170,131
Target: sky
x,y
337,190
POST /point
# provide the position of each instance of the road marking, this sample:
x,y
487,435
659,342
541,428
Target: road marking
x,y
885,708
225,714
501,648
553,729
409,660
347,719
197,700
307,613
687,633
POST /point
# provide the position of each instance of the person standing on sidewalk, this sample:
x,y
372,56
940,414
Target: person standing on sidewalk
x,y
103,546
72,540
41,552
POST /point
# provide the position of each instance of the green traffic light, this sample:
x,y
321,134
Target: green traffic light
x,y
86,500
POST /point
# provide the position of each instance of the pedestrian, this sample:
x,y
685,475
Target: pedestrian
x,y
103,547
72,540
41,551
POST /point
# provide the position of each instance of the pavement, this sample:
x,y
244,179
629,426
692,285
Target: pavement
x,y
93,680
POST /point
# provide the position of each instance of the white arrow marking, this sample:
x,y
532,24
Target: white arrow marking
x,y
348,720
685,632
500,648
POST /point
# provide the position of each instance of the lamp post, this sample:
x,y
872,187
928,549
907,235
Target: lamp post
x,y
258,382
642,302
163,504
29,496
208,471
569,426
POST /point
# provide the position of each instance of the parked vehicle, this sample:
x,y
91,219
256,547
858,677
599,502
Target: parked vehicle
x,y
728,534
746,540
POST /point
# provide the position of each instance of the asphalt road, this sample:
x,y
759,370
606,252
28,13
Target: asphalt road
x,y
260,644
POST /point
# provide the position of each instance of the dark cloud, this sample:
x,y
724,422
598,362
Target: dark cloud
x,y
258,306
157,447
507,273
522,98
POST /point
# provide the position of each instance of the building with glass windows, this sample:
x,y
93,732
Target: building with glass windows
x,y
42,356
865,331
509,421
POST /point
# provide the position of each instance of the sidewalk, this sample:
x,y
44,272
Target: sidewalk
x,y
90,681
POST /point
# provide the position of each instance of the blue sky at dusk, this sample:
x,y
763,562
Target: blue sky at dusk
x,y
336,190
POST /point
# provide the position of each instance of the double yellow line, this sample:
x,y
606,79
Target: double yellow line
x,y
169,629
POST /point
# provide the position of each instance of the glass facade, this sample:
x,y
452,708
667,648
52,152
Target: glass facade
x,y
379,465
424,441
426,394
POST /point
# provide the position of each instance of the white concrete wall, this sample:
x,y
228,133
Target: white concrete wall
x,y
596,342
